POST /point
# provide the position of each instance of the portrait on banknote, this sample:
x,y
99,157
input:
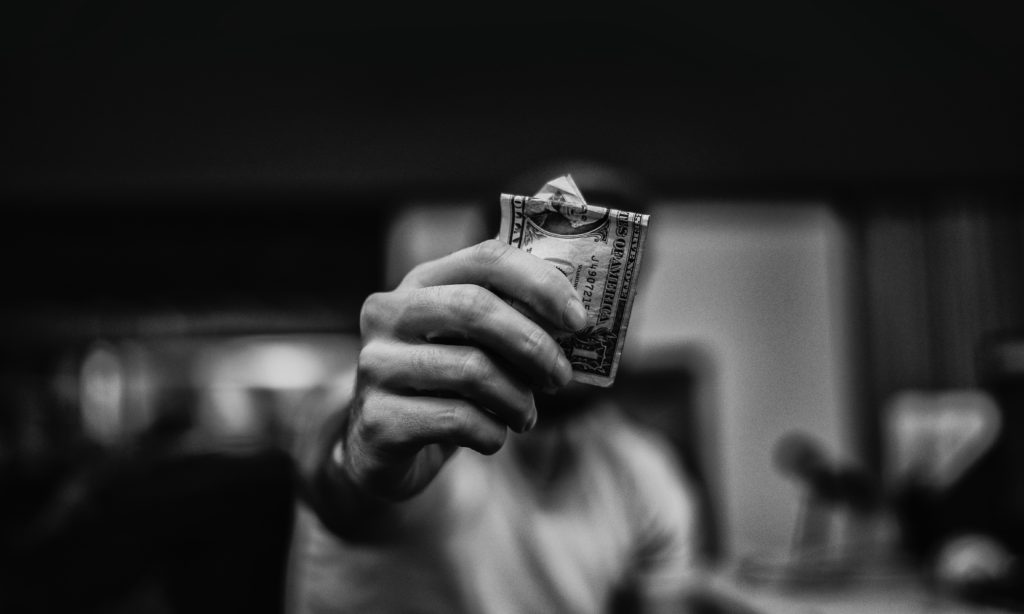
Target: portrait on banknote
x,y
599,250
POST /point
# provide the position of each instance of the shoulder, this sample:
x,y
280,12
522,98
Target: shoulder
x,y
643,464
636,449
661,502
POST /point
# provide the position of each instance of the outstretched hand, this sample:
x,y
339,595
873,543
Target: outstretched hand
x,y
450,359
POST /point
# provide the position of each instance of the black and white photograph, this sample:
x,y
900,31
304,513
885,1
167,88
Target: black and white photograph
x,y
511,308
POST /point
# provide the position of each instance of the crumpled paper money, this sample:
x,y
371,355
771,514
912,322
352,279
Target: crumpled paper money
x,y
599,250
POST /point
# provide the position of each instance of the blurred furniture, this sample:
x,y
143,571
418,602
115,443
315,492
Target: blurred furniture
x,y
894,595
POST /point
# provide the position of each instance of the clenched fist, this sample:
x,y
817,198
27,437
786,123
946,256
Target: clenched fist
x,y
450,359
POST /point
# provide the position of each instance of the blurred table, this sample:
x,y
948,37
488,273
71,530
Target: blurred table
x,y
893,595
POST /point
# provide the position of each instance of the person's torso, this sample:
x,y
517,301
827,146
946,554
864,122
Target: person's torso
x,y
485,538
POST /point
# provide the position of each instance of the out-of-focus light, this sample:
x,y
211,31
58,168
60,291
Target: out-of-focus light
x,y
102,394
284,366
251,386
229,415
277,364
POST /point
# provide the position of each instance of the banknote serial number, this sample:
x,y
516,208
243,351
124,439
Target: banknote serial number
x,y
590,281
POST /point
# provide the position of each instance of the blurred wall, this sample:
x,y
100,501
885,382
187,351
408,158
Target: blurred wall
x,y
135,128
762,289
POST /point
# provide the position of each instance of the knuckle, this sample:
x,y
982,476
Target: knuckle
x,y
482,435
452,421
472,302
375,421
371,363
537,343
474,368
550,276
547,353
490,252
372,313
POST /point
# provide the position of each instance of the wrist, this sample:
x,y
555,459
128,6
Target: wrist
x,y
337,469
343,507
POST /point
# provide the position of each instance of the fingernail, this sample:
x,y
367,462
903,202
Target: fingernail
x,y
563,372
528,424
574,315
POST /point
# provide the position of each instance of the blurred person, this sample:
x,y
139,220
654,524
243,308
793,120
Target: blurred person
x,y
578,510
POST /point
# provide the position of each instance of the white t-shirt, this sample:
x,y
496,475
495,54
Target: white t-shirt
x,y
483,538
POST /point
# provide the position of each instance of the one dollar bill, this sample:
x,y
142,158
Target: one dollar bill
x,y
599,250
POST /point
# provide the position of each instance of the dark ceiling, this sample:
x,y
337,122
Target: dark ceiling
x,y
247,117
136,99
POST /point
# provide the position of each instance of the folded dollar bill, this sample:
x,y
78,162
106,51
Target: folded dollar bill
x,y
599,250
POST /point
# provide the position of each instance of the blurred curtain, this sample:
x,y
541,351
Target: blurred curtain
x,y
937,275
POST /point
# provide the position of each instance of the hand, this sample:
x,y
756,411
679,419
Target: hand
x,y
447,362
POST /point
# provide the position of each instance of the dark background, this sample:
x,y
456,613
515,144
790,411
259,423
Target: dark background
x,y
163,129
309,98
222,168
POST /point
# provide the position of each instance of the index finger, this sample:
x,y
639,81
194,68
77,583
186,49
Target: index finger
x,y
511,273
